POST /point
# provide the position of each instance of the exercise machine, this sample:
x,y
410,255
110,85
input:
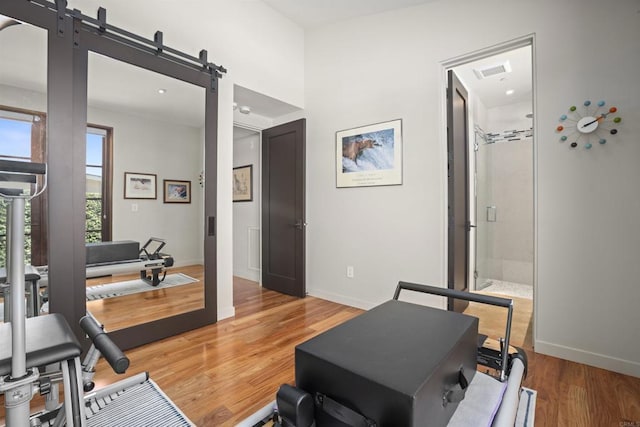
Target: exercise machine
x,y
492,397
109,258
25,181
38,354
148,260
50,344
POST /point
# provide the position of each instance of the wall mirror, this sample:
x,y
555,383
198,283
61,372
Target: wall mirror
x,y
23,117
132,133
148,129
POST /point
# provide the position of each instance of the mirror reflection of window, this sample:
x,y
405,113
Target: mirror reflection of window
x,y
99,178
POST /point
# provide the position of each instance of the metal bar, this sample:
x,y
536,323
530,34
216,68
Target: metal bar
x,y
152,51
16,279
483,299
103,28
118,386
23,167
451,293
507,337
17,177
128,37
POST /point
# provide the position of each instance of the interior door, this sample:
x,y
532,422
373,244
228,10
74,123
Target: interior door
x,y
458,190
283,208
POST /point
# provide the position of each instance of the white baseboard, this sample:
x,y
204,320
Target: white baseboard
x,y
226,312
254,276
626,367
341,299
186,262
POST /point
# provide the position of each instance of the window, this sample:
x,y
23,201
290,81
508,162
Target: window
x,y
22,138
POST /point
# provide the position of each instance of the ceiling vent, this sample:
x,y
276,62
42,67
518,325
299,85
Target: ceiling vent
x,y
492,70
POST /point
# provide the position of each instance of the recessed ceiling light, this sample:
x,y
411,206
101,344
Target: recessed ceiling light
x,y
161,91
510,92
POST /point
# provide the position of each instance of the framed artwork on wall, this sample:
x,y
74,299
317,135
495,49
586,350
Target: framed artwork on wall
x,y
176,191
243,183
139,186
369,155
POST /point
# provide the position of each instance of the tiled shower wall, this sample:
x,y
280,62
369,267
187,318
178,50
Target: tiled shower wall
x,y
505,180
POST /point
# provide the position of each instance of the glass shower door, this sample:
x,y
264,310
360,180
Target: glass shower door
x,y
484,211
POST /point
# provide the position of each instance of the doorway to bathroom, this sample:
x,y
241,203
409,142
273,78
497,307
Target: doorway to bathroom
x,y
500,171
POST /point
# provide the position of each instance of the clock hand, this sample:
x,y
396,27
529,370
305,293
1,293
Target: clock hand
x,y
597,119
591,122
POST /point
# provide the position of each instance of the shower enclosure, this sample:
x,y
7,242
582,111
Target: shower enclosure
x,y
504,212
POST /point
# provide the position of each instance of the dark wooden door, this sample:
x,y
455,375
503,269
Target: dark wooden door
x,y
458,190
283,208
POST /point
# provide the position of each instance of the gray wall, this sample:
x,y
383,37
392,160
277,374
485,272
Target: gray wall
x,y
389,66
246,215
144,145
170,151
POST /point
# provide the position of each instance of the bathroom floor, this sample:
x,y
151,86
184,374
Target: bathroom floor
x,y
511,289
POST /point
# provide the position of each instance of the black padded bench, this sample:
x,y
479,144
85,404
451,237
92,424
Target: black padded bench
x,y
49,340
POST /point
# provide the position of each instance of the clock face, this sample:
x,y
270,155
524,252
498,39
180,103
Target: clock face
x,y
588,125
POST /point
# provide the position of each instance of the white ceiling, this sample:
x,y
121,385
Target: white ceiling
x,y
260,104
120,86
314,13
492,90
239,133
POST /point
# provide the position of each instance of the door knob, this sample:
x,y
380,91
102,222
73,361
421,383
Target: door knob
x,y
300,224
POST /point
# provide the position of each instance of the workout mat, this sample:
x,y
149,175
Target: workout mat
x,y
129,287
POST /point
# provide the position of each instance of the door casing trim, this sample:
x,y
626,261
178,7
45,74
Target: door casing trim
x,y
445,65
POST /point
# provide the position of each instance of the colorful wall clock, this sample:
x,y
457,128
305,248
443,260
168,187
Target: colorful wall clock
x,y
588,125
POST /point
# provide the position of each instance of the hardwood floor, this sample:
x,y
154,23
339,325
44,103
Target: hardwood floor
x,y
569,394
222,373
128,310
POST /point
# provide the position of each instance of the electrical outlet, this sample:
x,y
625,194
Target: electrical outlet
x,y
134,207
350,271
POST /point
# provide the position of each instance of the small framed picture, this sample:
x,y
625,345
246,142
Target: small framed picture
x,y
139,186
243,183
176,191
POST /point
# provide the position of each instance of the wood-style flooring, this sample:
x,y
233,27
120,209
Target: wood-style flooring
x,y
147,306
220,374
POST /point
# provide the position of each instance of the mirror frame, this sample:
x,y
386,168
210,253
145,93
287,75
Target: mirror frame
x,y
69,42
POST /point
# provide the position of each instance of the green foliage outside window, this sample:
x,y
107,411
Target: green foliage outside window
x,y
93,229
93,226
3,232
